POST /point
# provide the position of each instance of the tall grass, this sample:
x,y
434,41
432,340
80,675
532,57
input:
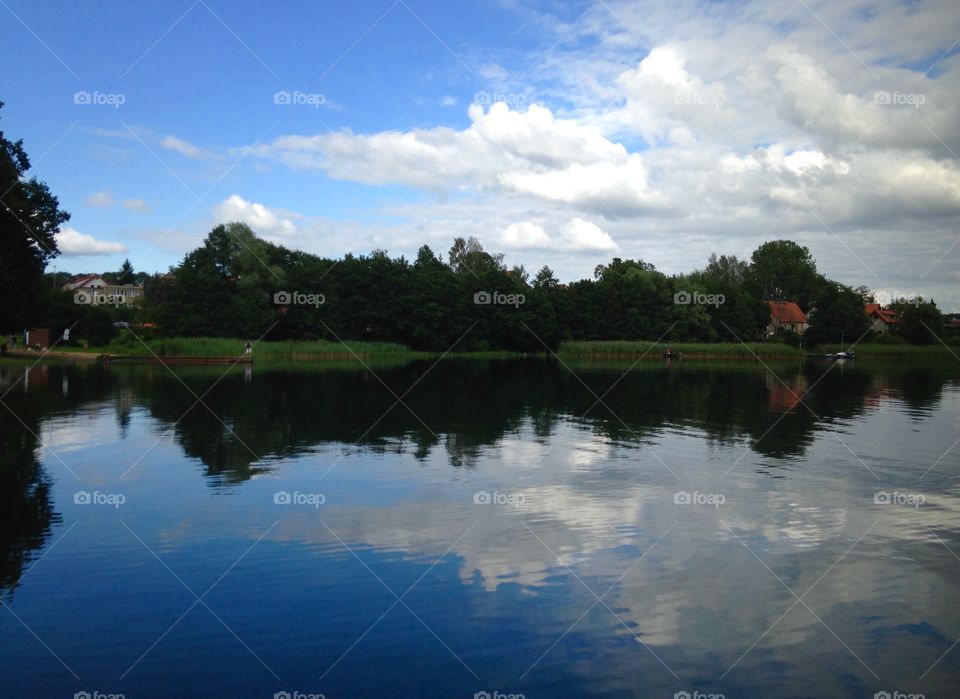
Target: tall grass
x,y
654,350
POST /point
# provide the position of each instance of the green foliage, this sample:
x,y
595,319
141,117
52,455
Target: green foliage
x,y
781,270
30,217
228,288
922,323
839,316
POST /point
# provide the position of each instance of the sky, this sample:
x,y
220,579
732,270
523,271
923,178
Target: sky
x,y
558,133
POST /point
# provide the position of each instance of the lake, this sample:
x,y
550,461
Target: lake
x,y
468,527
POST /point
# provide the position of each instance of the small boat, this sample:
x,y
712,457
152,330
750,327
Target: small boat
x,y
671,354
843,355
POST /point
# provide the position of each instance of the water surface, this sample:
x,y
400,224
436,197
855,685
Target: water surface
x,y
439,530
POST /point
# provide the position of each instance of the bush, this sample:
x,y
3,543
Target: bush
x,y
878,338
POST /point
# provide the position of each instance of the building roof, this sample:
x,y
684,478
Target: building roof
x,y
84,278
786,312
875,310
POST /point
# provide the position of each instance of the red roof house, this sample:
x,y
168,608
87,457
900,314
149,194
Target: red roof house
x,y
786,315
883,318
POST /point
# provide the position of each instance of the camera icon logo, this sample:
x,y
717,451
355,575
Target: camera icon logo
x,y
882,97
482,298
681,695
82,497
482,497
82,97
682,297
682,498
82,297
882,498
481,695
282,497
281,695
281,298
882,695
282,97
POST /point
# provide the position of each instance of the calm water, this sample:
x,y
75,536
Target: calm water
x,y
498,530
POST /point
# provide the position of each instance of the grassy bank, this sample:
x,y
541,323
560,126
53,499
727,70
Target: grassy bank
x,y
286,350
902,352
632,349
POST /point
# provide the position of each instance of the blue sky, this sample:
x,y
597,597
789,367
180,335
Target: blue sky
x,y
558,132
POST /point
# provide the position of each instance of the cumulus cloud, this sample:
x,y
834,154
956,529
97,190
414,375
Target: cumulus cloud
x,y
73,243
263,220
578,235
714,131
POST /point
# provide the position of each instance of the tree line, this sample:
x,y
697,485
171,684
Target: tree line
x,y
237,285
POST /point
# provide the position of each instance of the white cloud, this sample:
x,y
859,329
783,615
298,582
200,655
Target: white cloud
x,y
138,205
578,235
525,235
74,243
691,132
448,101
183,147
263,220
101,199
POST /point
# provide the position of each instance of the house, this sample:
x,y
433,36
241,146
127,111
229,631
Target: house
x,y
786,315
883,319
93,289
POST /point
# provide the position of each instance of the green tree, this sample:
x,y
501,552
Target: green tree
x,y
545,279
922,323
838,316
30,218
468,256
126,275
726,268
781,270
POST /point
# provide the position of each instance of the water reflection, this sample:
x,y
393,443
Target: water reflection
x,y
797,454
